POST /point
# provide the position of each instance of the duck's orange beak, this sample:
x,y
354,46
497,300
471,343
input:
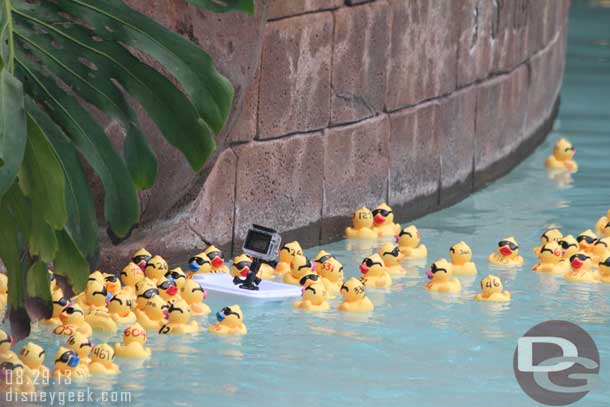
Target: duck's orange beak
x,y
217,262
577,263
244,272
364,269
379,219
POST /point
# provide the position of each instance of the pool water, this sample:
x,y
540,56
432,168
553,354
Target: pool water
x,y
416,348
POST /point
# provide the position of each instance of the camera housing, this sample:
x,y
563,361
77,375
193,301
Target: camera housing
x,y
262,243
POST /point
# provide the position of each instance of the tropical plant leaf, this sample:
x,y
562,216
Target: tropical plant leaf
x,y
70,262
38,300
141,159
9,252
12,129
223,6
96,55
121,206
82,223
41,178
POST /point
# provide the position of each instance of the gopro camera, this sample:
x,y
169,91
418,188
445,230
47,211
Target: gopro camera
x,y
262,243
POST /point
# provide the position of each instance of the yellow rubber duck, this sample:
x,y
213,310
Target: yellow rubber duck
x,y
178,276
100,320
72,320
102,357
59,303
409,243
20,379
551,235
120,309
152,314
606,230
3,290
230,322
551,260
602,222
6,343
113,284
441,278
32,356
141,258
383,219
179,319
68,366
492,290
374,273
82,346
391,256
156,268
194,295
586,240
331,272
94,297
287,253
134,339
168,290
131,275
582,269
199,264
241,267
320,258
604,270
314,298
299,268
569,247
354,297
362,225
507,253
562,158
460,255
600,250
97,276
217,259
266,271
145,289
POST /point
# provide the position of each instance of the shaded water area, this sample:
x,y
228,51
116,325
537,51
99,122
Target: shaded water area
x,y
416,348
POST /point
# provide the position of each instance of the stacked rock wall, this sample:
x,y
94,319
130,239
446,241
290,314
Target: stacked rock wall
x,y
341,104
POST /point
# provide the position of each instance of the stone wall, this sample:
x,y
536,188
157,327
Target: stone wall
x,y
341,104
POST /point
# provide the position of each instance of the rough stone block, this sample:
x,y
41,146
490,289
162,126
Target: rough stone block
x,y
456,144
208,218
422,61
234,41
361,46
501,112
285,8
279,184
171,14
414,159
246,124
475,50
295,75
509,30
356,166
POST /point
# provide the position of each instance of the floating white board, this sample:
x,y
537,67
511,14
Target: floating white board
x,y
268,290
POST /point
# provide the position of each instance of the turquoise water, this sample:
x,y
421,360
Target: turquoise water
x,y
418,349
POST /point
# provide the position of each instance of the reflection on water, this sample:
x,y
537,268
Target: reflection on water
x,y
417,348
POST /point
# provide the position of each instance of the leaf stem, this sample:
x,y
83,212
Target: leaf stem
x,y
8,10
